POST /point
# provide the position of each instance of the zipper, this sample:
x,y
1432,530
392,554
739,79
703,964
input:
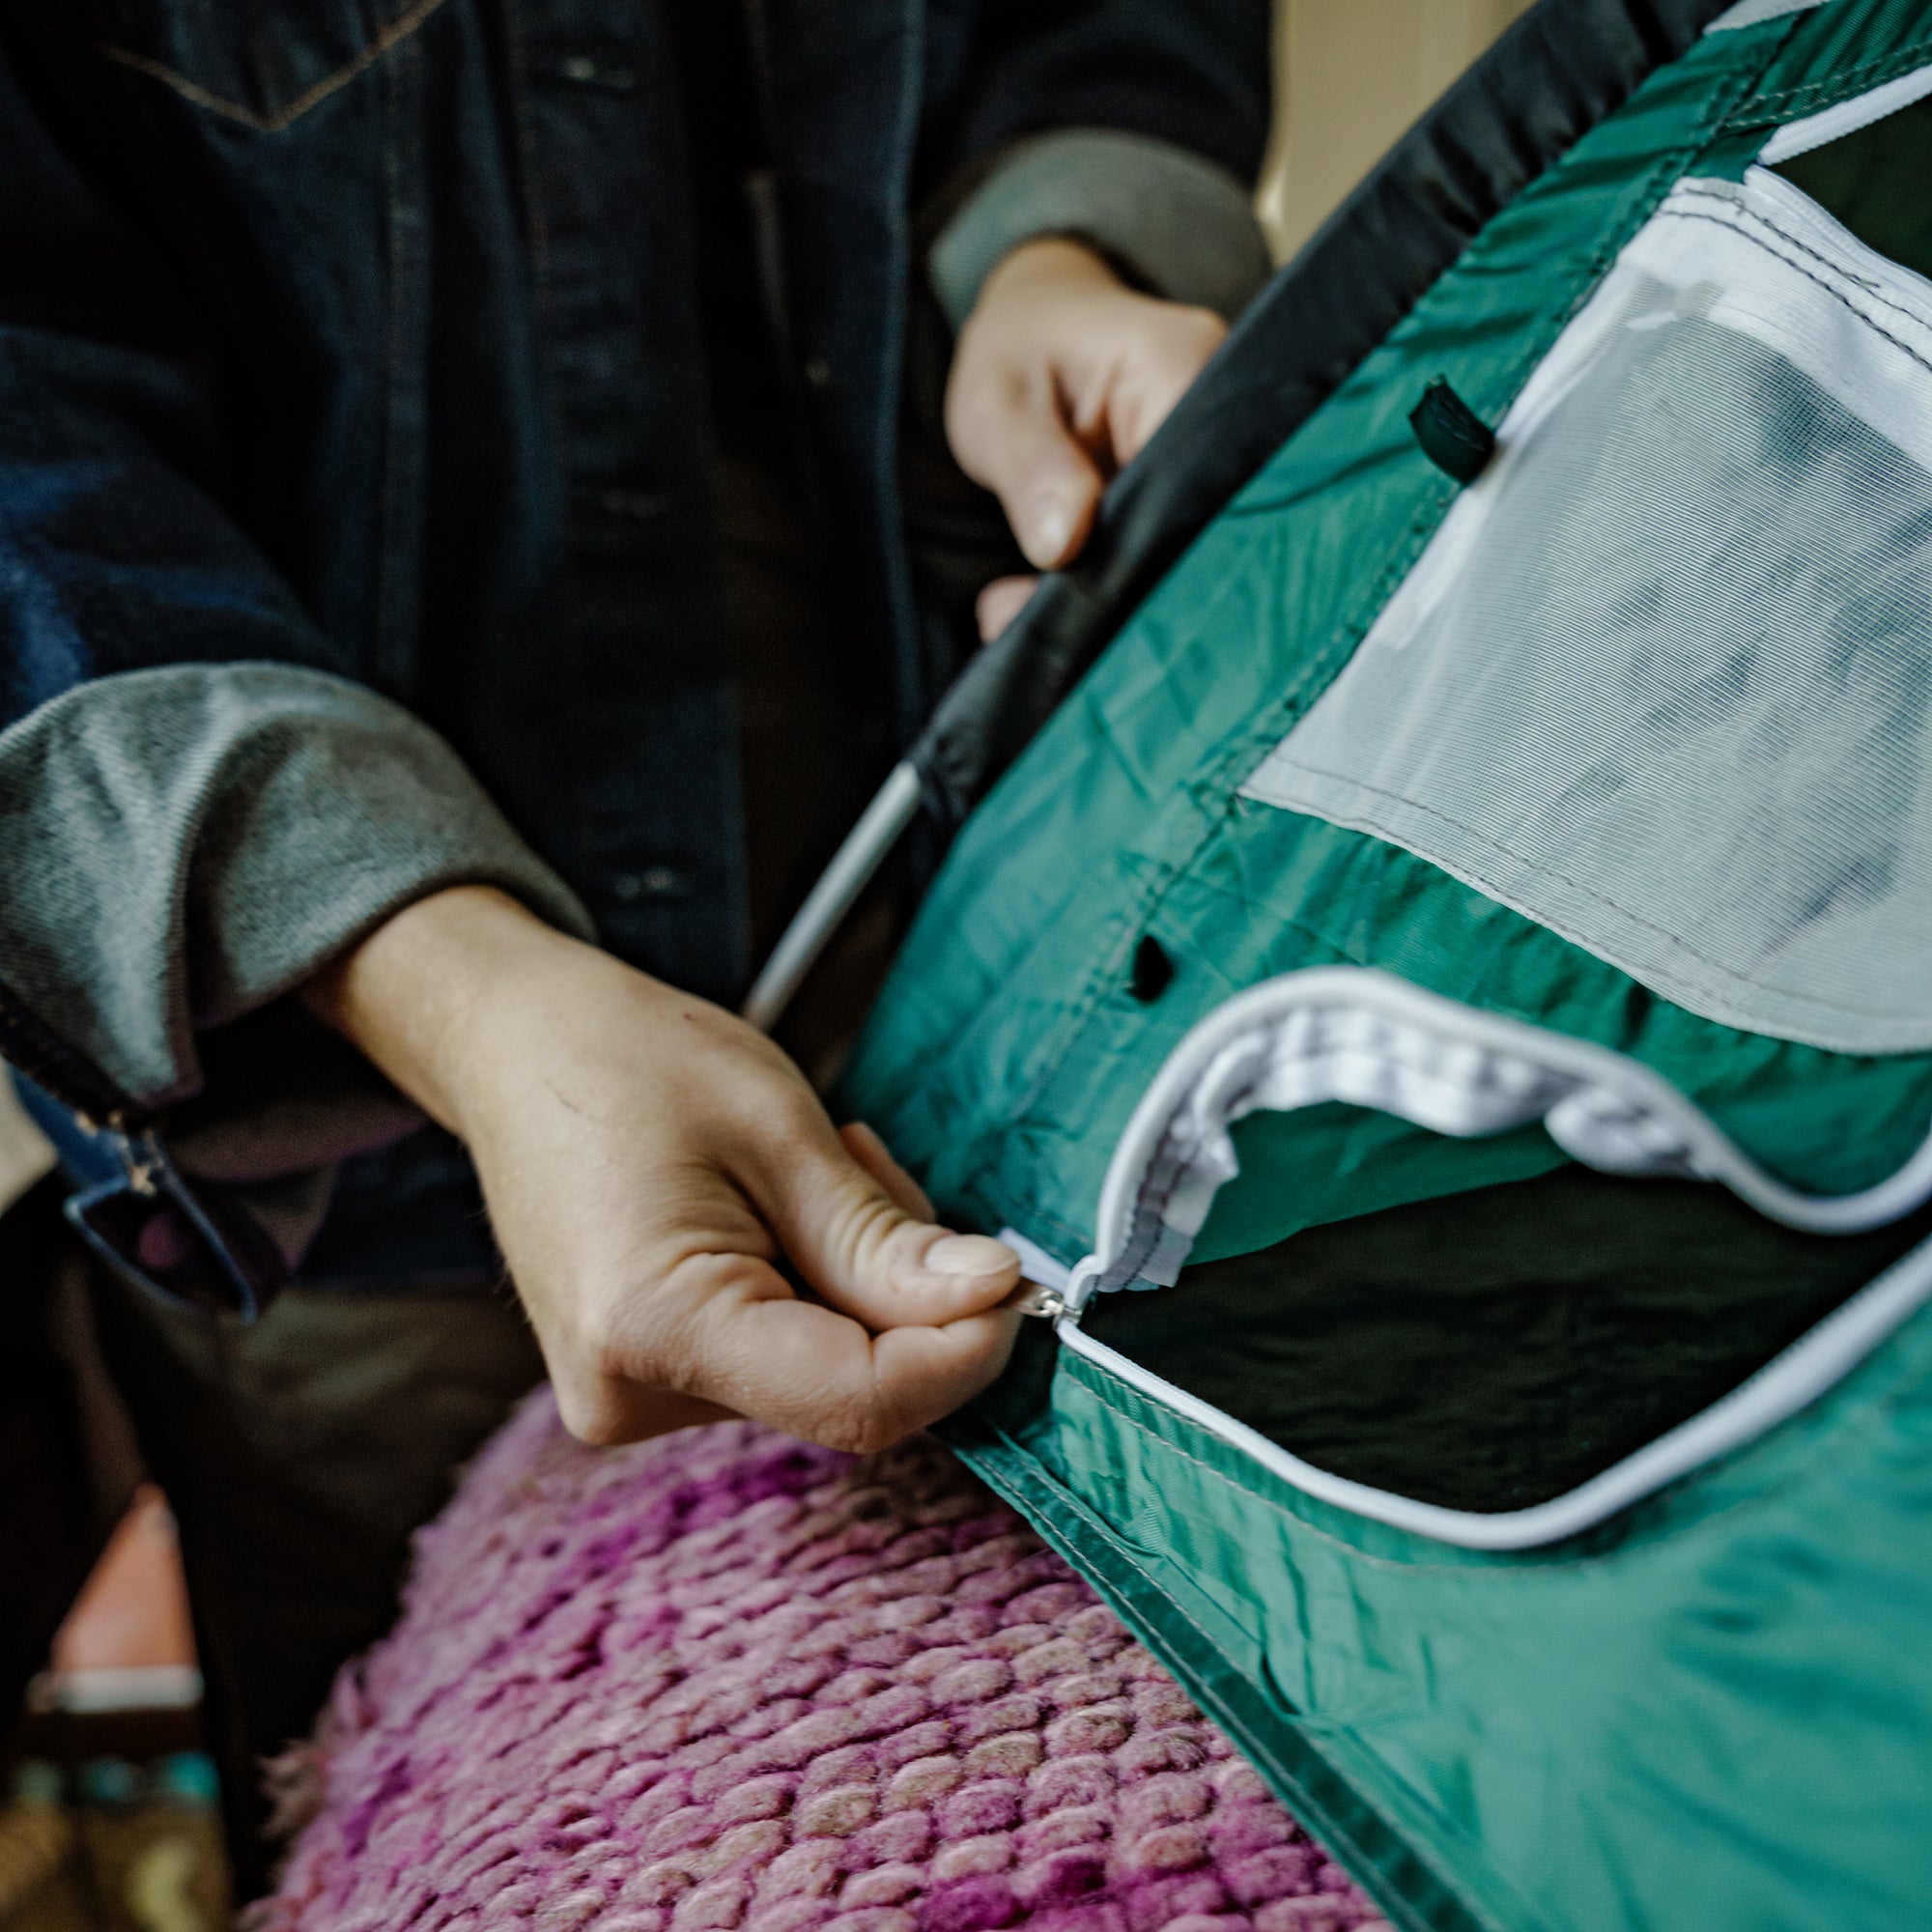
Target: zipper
x,y
1049,1288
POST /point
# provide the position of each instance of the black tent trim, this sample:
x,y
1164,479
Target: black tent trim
x,y
1563,67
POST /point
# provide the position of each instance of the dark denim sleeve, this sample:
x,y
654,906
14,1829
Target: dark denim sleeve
x,y
1193,74
115,554
1136,126
177,849
194,814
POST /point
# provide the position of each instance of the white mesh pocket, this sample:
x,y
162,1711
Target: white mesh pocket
x,y
1663,679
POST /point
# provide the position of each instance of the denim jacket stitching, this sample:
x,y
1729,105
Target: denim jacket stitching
x,y
283,118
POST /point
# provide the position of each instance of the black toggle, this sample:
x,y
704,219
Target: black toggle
x,y
1452,434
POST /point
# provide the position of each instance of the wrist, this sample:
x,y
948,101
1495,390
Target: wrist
x,y
1058,259
424,995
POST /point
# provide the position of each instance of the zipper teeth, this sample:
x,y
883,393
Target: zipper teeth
x,y
1409,1028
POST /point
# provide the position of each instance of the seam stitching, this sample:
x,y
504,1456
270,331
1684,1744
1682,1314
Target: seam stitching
x,y
1838,296
1531,866
283,118
1124,1553
1834,91
1541,1568
1739,215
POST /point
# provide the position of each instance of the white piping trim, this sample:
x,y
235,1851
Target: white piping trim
x,y
1815,130
1036,1264
1356,1034
826,905
1787,1383
1862,271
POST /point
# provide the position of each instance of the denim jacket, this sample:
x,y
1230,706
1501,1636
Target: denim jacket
x,y
359,336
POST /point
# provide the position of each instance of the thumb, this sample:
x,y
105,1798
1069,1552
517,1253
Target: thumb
x,y
1009,434
846,1224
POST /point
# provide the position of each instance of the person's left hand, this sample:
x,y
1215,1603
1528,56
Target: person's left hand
x,y
1061,375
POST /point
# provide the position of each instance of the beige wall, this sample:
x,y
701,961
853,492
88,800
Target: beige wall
x,y
1349,76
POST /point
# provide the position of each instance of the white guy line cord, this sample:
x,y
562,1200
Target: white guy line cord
x,y
848,875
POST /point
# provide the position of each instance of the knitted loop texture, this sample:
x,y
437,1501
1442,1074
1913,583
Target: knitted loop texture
x,y
723,1680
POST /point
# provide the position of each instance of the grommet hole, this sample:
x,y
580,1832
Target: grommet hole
x,y
1154,970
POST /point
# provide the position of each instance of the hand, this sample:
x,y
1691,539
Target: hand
x,y
648,1161
1060,376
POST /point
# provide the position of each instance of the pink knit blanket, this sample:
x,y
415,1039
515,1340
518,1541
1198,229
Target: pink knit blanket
x,y
721,1680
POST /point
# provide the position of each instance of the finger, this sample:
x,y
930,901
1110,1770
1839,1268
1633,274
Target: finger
x,y
860,1248
607,1409
871,1154
818,1374
1157,377
1001,602
1010,431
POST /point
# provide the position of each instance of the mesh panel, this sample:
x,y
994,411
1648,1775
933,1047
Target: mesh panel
x,y
1663,680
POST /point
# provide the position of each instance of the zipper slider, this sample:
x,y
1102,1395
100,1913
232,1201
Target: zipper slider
x,y
1048,1289
1081,1280
1037,1299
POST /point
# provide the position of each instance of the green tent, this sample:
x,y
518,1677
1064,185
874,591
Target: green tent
x,y
1439,981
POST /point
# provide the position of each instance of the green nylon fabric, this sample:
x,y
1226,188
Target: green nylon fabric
x,y
1006,1051
1273,890
1712,1711
1710,1715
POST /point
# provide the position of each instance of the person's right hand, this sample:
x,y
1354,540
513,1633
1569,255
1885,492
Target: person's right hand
x,y
650,1161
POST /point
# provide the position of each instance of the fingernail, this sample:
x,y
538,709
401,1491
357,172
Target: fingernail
x,y
968,1254
1051,525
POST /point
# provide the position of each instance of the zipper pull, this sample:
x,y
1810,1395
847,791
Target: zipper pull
x,y
1037,1297
1050,1301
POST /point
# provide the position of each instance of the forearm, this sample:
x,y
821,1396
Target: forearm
x,y
1135,127
180,847
424,995
647,1159
1173,223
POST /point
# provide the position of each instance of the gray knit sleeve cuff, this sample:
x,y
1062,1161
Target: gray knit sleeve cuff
x,y
181,847
1182,226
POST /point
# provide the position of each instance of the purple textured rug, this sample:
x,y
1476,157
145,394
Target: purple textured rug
x,y
721,1680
